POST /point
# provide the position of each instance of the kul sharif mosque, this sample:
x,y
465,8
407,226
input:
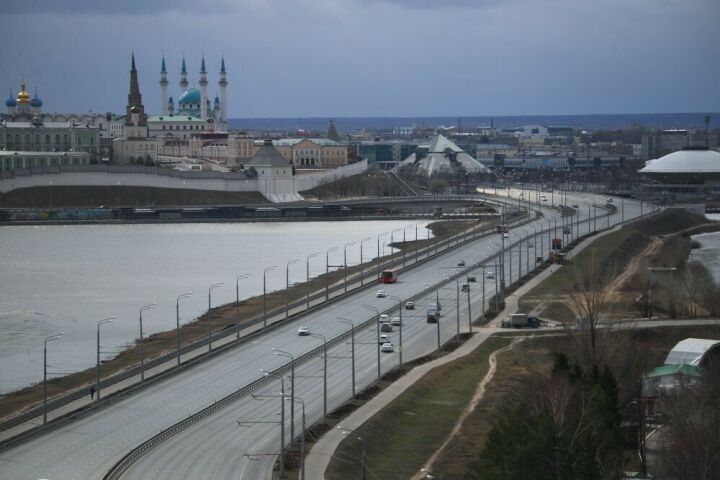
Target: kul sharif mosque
x,y
195,102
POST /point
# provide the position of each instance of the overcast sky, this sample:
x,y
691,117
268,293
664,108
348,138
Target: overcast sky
x,y
332,58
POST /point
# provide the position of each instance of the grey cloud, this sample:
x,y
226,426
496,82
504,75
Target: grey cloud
x,y
440,4
110,7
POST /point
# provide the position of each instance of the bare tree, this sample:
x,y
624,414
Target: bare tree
x,y
597,338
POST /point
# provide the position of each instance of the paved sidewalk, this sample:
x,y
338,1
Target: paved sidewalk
x,y
321,453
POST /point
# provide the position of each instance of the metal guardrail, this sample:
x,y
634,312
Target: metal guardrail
x,y
124,463
440,247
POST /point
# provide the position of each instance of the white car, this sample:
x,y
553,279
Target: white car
x,y
409,305
506,235
304,331
609,200
395,321
384,318
490,275
380,294
387,347
384,339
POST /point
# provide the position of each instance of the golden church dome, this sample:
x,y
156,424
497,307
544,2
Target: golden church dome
x,y
23,96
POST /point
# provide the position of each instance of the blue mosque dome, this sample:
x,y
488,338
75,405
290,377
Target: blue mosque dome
x,y
10,102
190,96
36,101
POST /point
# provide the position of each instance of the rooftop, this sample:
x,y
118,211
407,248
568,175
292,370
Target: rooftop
x,y
689,160
683,369
690,351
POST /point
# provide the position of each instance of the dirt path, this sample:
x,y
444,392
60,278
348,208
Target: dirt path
x,y
615,287
479,393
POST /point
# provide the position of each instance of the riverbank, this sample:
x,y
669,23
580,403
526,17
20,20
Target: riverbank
x,y
223,318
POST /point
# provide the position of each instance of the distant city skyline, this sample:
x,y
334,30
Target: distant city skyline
x,y
367,58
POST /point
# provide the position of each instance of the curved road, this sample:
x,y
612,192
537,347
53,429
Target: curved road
x,y
218,447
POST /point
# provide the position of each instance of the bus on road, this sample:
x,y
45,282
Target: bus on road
x,y
390,275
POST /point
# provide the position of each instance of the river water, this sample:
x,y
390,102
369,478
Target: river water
x,y
709,252
67,277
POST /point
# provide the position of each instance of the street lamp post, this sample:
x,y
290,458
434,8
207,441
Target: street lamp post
x,y
457,306
362,259
289,355
210,289
307,276
400,309
177,323
352,349
377,328
379,261
268,269
142,350
97,365
293,399
237,303
392,241
363,471
49,338
282,415
324,339
345,263
287,286
327,272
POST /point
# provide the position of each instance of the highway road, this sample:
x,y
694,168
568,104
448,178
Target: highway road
x,y
219,447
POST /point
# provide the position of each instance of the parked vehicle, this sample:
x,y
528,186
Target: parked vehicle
x,y
409,305
380,294
521,320
304,331
387,347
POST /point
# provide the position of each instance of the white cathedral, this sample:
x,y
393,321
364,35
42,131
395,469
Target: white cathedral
x,y
194,102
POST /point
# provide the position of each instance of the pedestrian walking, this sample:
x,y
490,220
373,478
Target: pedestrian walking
x,y
92,393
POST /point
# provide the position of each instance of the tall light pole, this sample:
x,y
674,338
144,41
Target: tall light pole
x,y
392,241
210,289
177,323
237,303
142,350
268,269
282,353
97,365
307,276
327,272
363,471
287,286
322,337
282,415
400,309
293,399
48,339
345,264
377,328
379,257
362,260
352,349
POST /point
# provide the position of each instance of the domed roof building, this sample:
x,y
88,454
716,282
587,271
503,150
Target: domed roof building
x,y
21,107
692,173
11,102
195,102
